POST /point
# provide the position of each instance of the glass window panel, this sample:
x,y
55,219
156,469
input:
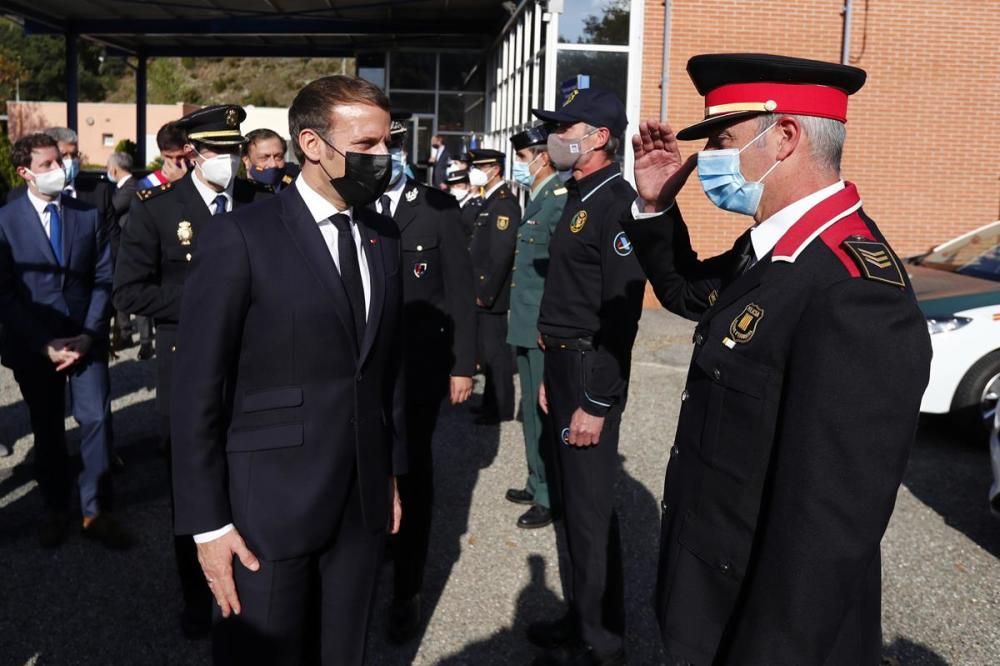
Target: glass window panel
x,y
412,102
462,112
455,67
606,70
595,22
412,70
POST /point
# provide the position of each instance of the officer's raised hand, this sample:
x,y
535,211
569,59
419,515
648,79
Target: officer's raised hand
x,y
660,171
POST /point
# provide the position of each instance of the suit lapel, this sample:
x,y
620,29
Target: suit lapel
x,y
376,271
406,211
69,228
34,230
740,286
309,240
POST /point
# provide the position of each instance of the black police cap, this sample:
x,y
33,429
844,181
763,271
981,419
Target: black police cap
x,y
217,125
486,156
457,176
740,85
397,124
594,106
533,136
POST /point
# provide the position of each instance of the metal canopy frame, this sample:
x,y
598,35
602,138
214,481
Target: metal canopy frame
x,y
210,28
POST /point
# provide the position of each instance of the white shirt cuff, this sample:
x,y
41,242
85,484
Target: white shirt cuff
x,y
205,537
640,203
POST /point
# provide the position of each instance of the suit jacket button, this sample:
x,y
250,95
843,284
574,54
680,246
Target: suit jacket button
x,y
361,376
664,507
674,451
699,339
685,395
717,374
173,348
725,567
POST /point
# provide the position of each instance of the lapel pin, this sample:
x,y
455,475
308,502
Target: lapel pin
x,y
373,241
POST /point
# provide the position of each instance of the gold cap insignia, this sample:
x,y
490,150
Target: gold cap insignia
x,y
579,220
185,234
745,325
232,118
503,222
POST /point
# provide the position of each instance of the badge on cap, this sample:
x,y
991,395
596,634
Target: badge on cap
x,y
232,118
578,221
623,246
185,234
745,325
411,195
503,222
419,269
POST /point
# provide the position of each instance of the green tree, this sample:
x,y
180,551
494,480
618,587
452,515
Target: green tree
x,y
609,28
42,61
8,176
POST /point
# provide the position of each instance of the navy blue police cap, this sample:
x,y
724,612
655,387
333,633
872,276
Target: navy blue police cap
x,y
594,106
486,156
217,125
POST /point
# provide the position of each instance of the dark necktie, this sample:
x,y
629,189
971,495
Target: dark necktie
x,y
386,203
745,257
350,273
220,205
55,231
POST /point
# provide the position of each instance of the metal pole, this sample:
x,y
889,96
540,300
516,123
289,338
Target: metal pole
x,y
72,81
140,113
665,72
845,42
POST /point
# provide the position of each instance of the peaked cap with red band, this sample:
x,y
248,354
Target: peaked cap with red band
x,y
741,85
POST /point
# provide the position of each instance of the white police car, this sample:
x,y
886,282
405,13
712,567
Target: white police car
x,y
958,289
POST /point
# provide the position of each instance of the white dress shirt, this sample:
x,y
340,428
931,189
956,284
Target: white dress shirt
x,y
208,194
395,192
121,181
39,205
321,211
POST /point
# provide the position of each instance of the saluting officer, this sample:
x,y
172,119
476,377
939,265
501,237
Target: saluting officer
x,y
154,259
532,168
492,248
469,201
439,356
810,359
588,320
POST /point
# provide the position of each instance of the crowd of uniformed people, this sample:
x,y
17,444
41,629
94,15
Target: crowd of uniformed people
x,y
311,318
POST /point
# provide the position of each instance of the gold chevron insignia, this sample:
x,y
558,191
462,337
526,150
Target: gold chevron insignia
x,y
875,261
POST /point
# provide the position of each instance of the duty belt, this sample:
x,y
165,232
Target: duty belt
x,y
553,343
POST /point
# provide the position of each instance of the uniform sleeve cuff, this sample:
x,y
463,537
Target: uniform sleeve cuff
x,y
205,537
640,203
595,408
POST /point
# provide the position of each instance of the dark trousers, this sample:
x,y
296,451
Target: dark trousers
x,y
198,601
306,610
586,479
497,363
416,492
44,391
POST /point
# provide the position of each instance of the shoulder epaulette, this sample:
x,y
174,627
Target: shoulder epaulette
x,y
874,260
154,191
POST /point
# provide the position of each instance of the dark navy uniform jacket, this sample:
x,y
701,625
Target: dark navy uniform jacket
x,y
594,286
493,241
796,421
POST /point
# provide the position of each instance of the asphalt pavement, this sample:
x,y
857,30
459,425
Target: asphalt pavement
x,y
486,579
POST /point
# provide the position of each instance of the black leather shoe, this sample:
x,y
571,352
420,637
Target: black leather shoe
x,y
580,655
535,517
553,634
53,529
108,532
195,628
404,620
518,496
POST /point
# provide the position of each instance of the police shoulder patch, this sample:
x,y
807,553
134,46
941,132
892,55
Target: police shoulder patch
x,y
875,261
151,192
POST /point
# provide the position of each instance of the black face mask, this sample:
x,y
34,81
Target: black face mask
x,y
365,178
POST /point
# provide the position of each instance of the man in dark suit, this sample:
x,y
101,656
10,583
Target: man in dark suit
x,y
119,174
161,238
55,288
493,243
287,414
439,353
440,159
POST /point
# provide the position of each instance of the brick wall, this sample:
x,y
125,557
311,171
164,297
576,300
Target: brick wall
x,y
923,138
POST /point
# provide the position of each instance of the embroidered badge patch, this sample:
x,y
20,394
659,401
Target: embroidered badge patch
x,y
420,268
745,325
503,222
623,246
578,221
185,234
875,261
411,195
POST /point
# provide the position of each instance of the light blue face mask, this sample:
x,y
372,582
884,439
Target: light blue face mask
x,y
723,182
398,165
521,172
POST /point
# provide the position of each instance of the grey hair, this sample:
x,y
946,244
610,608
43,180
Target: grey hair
x,y
63,134
613,144
122,160
826,136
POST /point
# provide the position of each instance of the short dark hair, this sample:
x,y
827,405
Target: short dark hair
x,y
171,137
20,155
312,106
264,134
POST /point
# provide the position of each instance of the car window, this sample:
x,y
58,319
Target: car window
x,y
976,254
